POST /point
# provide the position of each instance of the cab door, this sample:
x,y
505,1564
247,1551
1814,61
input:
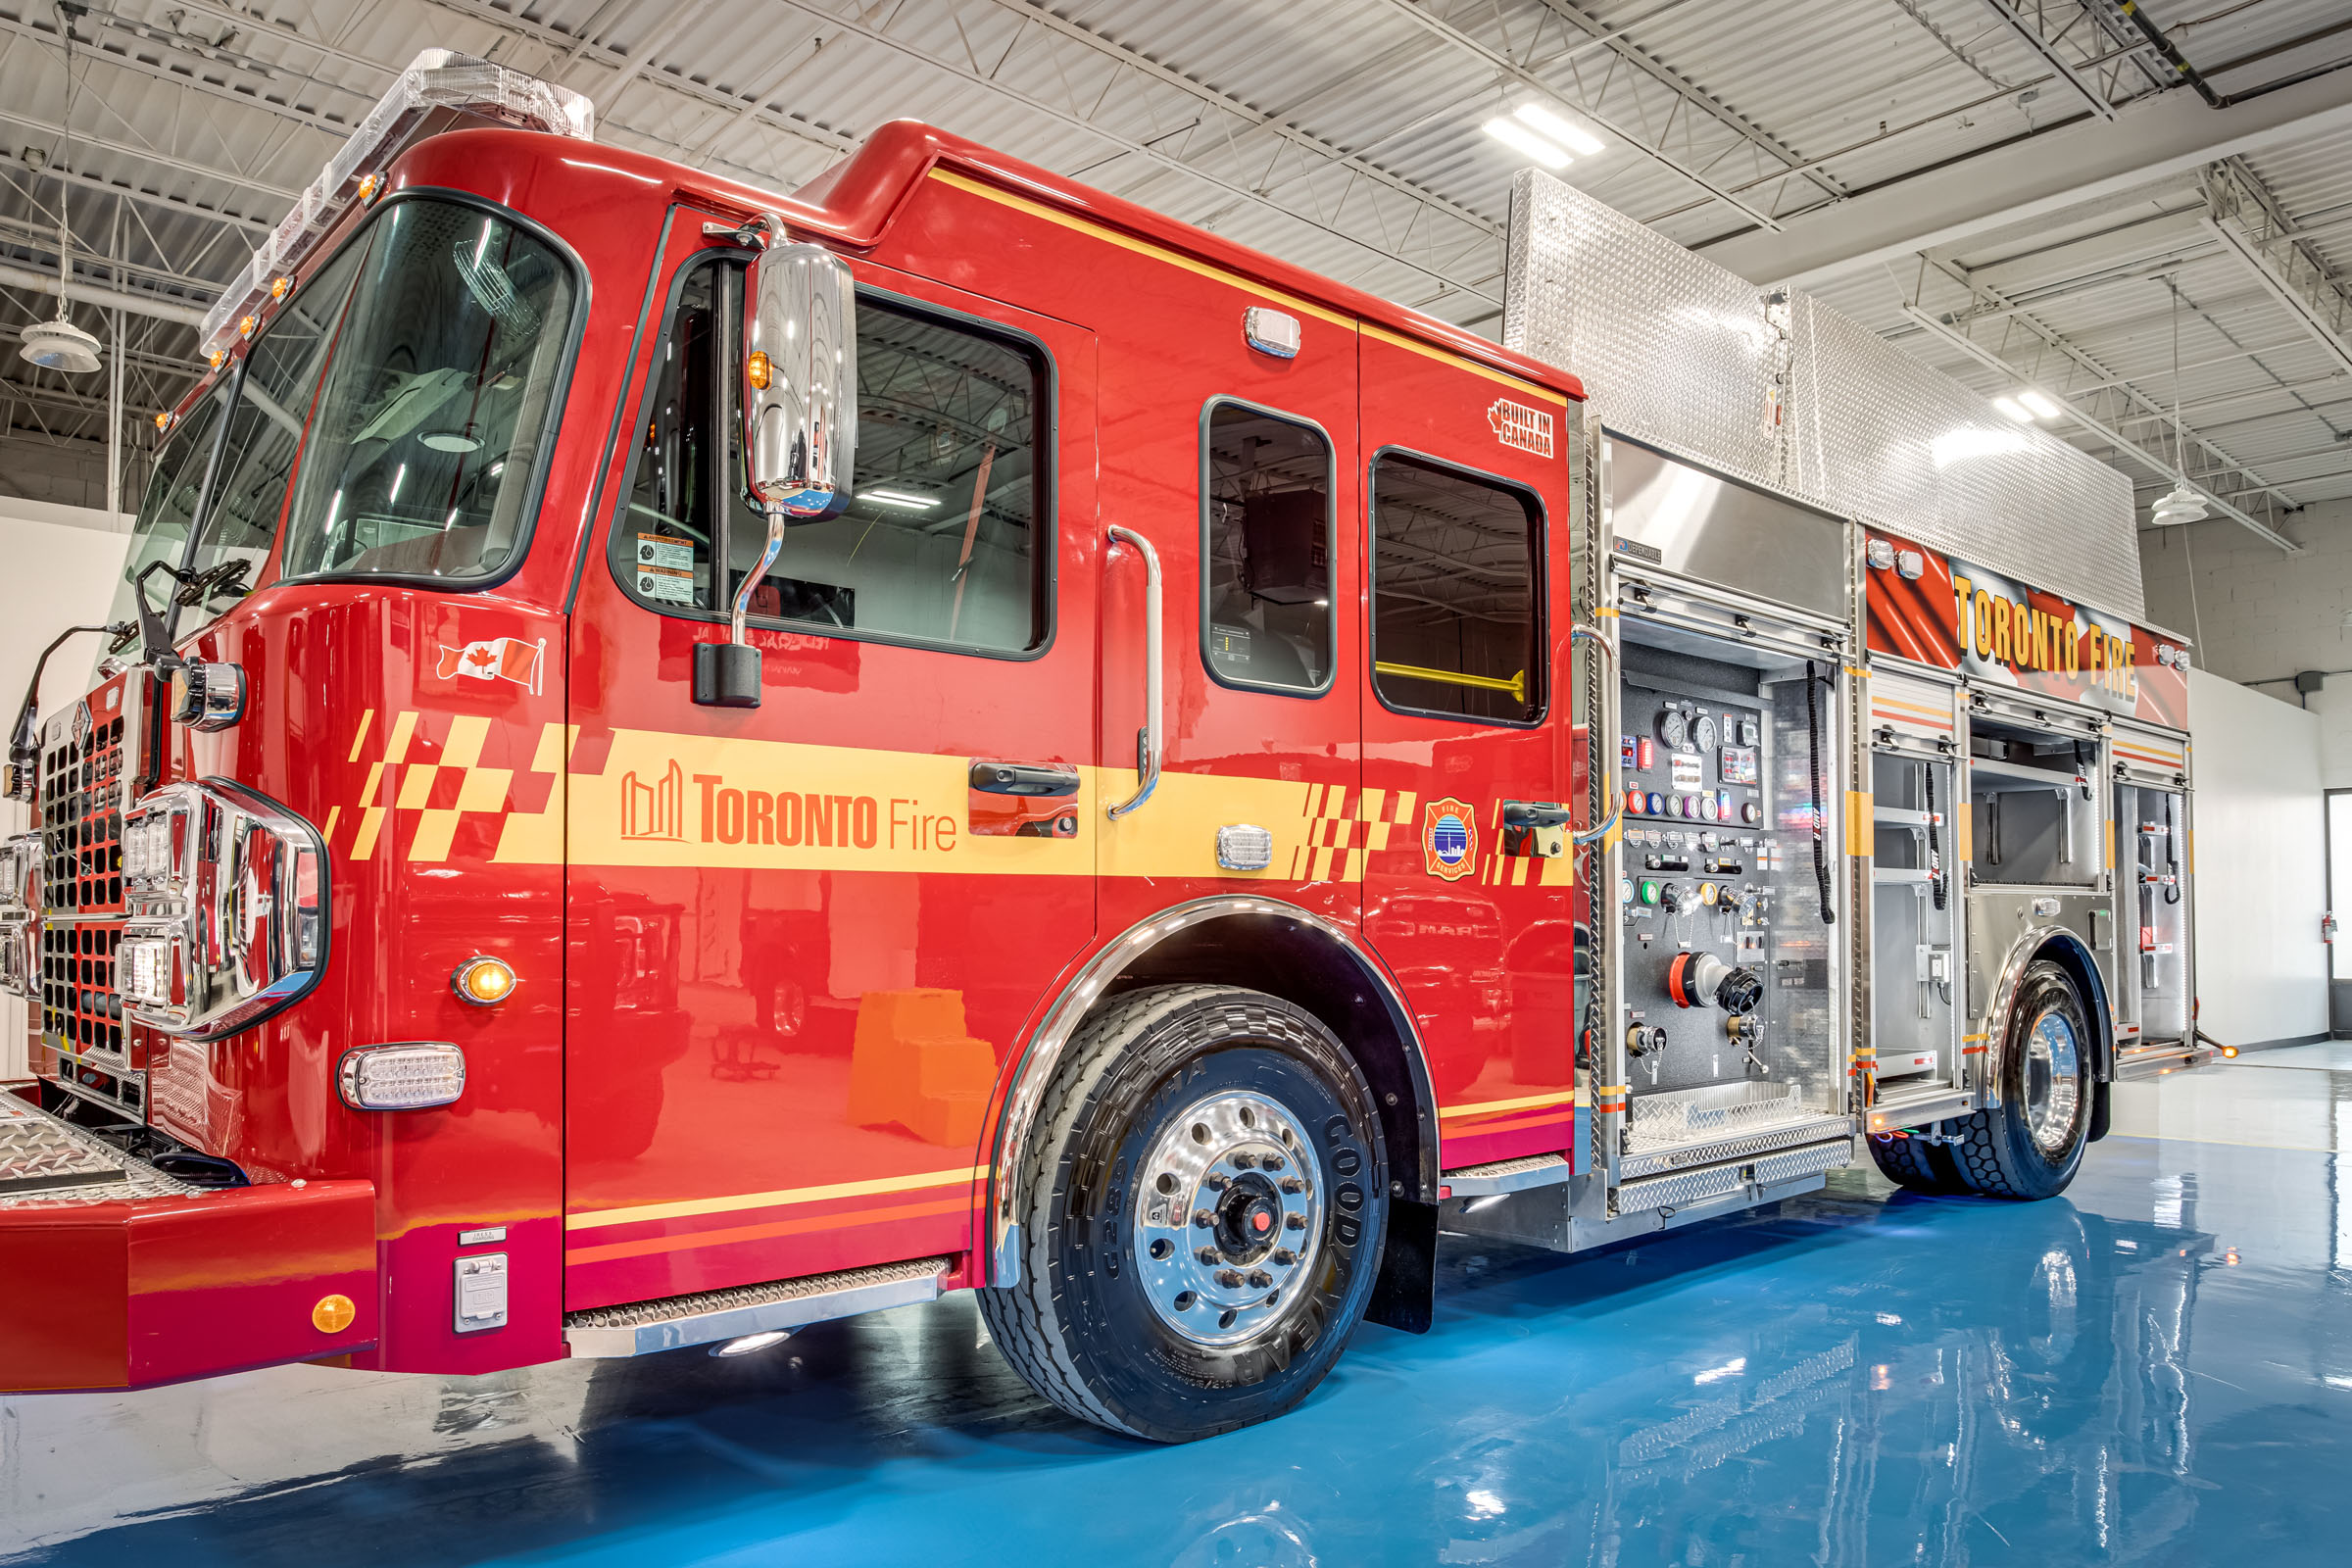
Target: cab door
x,y
805,935
1467,739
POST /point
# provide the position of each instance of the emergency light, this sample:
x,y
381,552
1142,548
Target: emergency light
x,y
438,90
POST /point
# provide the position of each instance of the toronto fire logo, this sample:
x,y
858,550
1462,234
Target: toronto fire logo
x,y
655,810
1448,839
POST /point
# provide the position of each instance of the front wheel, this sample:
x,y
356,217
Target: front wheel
x,y
1209,1197
2032,1144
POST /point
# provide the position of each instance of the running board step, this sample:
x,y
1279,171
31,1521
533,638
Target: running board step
x,y
643,1327
1505,1176
2149,1062
1918,1109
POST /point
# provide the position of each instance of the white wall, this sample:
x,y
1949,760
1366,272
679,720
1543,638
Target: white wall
x,y
58,567
2256,614
2260,877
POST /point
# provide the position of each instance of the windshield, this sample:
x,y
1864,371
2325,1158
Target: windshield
x,y
162,531
433,412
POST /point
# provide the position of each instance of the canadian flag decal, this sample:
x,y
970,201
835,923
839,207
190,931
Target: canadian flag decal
x,y
499,658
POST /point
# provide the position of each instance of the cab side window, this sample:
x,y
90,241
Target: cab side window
x,y
1266,489
1456,591
944,542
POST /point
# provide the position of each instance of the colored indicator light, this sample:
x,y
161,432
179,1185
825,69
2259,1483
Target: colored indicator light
x,y
759,369
333,1314
1645,752
483,980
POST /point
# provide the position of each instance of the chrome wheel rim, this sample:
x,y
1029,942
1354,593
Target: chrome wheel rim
x,y
1228,1218
2053,1083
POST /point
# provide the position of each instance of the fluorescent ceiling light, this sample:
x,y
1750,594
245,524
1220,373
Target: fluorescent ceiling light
x,y
898,498
1519,138
1569,134
2012,408
2044,407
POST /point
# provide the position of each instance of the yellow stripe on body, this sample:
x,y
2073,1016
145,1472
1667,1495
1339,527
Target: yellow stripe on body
x,y
596,1218
1529,1102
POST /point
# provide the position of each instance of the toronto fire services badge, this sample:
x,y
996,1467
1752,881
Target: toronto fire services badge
x,y
1448,839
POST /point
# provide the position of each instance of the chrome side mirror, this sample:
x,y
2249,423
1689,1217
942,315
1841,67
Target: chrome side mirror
x,y
800,421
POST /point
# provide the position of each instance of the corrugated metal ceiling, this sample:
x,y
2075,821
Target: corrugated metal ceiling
x,y
1342,134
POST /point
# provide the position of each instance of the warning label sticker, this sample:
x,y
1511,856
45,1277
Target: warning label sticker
x,y
665,569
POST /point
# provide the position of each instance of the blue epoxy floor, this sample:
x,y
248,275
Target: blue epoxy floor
x,y
2156,1368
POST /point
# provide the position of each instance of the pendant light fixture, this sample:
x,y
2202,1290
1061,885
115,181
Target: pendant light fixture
x,y
2180,504
59,344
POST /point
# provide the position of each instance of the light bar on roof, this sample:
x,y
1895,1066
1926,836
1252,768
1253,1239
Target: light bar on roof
x,y
438,80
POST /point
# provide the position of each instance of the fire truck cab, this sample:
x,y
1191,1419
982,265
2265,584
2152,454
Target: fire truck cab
x,y
703,761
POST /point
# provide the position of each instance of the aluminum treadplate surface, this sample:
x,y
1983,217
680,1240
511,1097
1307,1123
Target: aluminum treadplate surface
x,y
639,1327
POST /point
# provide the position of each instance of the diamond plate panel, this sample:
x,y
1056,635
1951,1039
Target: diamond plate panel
x,y
1678,1191
37,1154
1673,349
1810,1161
1681,353
101,1173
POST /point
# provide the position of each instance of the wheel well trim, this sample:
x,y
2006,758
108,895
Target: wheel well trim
x,y
2036,942
1039,1058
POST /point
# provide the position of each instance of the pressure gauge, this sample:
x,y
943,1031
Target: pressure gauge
x,y
1671,729
1708,808
1624,890
1658,803
1635,801
1702,732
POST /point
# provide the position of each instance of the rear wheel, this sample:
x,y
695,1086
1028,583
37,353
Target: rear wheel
x,y
1915,1164
2031,1144
1209,1197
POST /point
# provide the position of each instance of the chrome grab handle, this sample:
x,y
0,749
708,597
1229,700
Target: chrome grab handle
x,y
1148,738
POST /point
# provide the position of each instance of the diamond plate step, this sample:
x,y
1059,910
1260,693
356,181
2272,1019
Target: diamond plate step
x,y
641,1327
1506,1176
43,1161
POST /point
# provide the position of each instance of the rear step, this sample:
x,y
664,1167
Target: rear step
x,y
2156,1058
641,1327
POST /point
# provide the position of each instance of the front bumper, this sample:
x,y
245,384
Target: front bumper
x,y
114,1275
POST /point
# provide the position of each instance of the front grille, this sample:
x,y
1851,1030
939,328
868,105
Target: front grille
x,y
81,821
80,1009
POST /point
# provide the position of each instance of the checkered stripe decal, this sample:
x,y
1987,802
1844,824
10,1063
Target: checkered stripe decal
x,y
1344,826
439,788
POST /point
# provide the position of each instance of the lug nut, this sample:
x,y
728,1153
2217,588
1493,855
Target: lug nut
x,y
1230,1278
1294,1222
1208,1254
1272,1163
1259,1279
1285,1256
1294,1184
1205,1218
1243,1161
1217,1181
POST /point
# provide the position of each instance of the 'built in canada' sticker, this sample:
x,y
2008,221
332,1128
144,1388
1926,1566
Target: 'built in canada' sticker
x,y
1516,426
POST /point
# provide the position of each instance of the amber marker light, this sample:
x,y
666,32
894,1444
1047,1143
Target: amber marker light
x,y
333,1314
483,980
758,369
279,286
371,187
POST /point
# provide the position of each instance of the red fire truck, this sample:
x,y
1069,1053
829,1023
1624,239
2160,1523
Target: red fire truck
x,y
678,762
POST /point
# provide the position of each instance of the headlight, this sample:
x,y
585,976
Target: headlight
x,y
229,922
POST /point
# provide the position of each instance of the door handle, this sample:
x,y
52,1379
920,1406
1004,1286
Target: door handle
x,y
1533,813
1024,778
1148,738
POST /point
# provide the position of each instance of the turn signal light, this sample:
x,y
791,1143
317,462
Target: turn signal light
x,y
483,980
409,1076
333,1314
758,369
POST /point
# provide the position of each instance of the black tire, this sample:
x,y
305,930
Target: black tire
x,y
1089,1325
1997,1153
1917,1165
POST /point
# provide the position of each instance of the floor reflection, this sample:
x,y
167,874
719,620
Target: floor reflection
x,y
2157,1368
